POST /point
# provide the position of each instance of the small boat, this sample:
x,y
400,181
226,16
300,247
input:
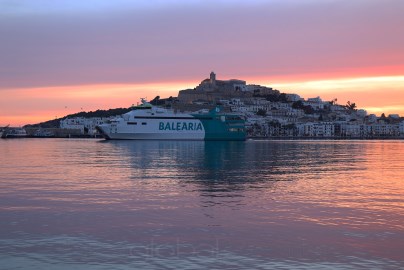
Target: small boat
x,y
14,133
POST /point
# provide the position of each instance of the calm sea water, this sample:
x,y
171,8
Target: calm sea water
x,y
92,204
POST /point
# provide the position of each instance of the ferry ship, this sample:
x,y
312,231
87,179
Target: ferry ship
x,y
9,133
147,122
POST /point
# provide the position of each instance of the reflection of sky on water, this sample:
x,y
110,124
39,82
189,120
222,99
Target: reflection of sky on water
x,y
198,204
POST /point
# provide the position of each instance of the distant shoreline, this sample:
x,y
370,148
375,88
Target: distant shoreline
x,y
279,138
248,138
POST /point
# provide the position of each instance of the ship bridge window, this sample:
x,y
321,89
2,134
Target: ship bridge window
x,y
236,129
132,123
144,123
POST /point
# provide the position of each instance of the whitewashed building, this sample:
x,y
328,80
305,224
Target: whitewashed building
x,y
372,118
316,103
293,97
401,128
85,125
383,129
320,129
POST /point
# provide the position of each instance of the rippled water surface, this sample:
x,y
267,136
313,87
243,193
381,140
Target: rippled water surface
x,y
91,204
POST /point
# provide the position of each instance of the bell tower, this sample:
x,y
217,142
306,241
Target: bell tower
x,y
213,79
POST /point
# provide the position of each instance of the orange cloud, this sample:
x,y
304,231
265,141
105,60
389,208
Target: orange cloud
x,y
376,94
33,105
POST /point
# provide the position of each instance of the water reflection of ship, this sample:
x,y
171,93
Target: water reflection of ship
x,y
229,164
225,165
224,174
194,162
222,179
221,160
158,158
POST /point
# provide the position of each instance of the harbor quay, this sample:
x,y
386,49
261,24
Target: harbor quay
x,y
27,132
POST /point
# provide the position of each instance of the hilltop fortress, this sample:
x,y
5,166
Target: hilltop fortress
x,y
212,90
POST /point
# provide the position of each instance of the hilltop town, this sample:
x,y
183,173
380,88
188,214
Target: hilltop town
x,y
268,112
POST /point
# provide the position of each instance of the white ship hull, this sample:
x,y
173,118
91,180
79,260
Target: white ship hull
x,y
150,123
153,136
155,129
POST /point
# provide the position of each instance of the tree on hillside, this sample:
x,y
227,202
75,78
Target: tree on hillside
x,y
334,101
321,118
350,106
306,108
155,100
298,105
272,97
262,112
283,98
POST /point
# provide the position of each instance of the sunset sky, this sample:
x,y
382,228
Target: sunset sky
x,y
60,57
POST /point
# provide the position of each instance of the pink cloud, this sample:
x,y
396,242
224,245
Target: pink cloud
x,y
174,43
280,41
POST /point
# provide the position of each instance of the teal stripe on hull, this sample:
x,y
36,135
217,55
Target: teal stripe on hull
x,y
223,130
